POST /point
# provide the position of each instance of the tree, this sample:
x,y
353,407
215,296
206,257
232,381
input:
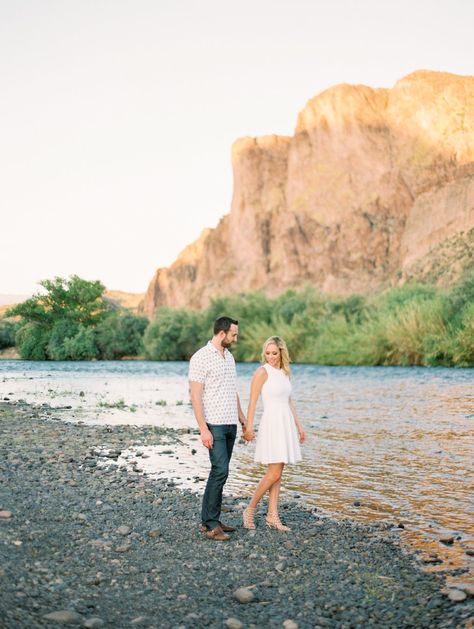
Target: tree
x,y
173,335
121,334
8,329
59,324
74,299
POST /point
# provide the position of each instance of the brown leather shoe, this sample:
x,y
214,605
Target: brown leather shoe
x,y
225,527
218,535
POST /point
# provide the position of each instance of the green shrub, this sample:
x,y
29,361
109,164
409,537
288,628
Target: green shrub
x,y
121,334
173,335
8,330
461,296
32,340
61,331
245,307
463,341
81,346
256,333
411,330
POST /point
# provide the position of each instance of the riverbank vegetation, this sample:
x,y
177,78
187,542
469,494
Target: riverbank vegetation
x,y
71,320
414,324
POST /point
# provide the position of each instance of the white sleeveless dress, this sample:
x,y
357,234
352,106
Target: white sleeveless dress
x,y
277,439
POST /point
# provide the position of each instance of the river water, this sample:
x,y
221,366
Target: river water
x,y
387,444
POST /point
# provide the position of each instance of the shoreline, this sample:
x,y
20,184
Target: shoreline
x,y
10,354
113,545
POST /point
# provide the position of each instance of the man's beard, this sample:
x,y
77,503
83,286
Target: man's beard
x,y
226,343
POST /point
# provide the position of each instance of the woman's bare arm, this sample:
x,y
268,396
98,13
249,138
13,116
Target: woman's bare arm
x,y
256,385
299,426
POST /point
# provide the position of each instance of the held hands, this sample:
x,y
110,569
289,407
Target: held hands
x,y
249,434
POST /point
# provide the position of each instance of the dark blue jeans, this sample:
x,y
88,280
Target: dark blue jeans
x,y
220,455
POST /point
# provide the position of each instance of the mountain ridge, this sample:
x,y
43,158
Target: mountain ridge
x,y
369,187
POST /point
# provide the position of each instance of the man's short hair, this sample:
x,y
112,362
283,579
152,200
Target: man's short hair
x,y
222,324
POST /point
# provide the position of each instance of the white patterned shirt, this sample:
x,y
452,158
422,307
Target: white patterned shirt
x,y
218,374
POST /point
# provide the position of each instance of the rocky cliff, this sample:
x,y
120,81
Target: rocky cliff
x,y
376,186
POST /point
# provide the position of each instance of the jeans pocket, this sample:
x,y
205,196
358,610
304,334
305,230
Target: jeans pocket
x,y
217,431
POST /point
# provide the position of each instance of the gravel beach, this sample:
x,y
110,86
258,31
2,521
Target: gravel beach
x,y
88,545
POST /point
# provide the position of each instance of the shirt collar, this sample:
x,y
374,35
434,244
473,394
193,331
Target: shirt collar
x,y
214,348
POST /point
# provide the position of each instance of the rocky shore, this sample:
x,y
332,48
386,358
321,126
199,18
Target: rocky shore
x,y
89,545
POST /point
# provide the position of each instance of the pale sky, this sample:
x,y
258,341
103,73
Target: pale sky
x,y
117,116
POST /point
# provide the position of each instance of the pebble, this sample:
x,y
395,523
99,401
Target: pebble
x,y
5,515
244,595
457,596
447,539
66,617
154,533
123,548
124,530
233,623
290,624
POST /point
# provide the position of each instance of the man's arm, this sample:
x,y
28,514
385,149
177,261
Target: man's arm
x,y
242,418
195,390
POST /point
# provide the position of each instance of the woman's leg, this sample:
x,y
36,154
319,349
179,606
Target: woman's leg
x,y
274,495
272,476
273,519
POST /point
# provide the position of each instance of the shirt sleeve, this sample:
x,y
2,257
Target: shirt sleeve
x,y
197,369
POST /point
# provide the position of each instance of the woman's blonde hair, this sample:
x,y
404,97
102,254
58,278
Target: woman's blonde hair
x,y
284,355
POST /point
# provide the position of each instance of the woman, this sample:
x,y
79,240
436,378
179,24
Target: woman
x,y
277,441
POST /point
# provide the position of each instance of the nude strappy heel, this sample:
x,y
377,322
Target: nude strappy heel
x,y
247,516
273,521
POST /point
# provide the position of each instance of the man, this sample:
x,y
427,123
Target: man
x,y
216,405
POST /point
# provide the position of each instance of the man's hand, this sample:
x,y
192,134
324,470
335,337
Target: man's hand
x,y
207,438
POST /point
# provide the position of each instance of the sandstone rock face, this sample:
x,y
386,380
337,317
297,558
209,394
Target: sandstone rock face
x,y
371,186
131,301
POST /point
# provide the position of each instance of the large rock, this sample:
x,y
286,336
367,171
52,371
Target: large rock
x,y
375,187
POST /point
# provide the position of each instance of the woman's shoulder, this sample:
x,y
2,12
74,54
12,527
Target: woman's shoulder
x,y
261,373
